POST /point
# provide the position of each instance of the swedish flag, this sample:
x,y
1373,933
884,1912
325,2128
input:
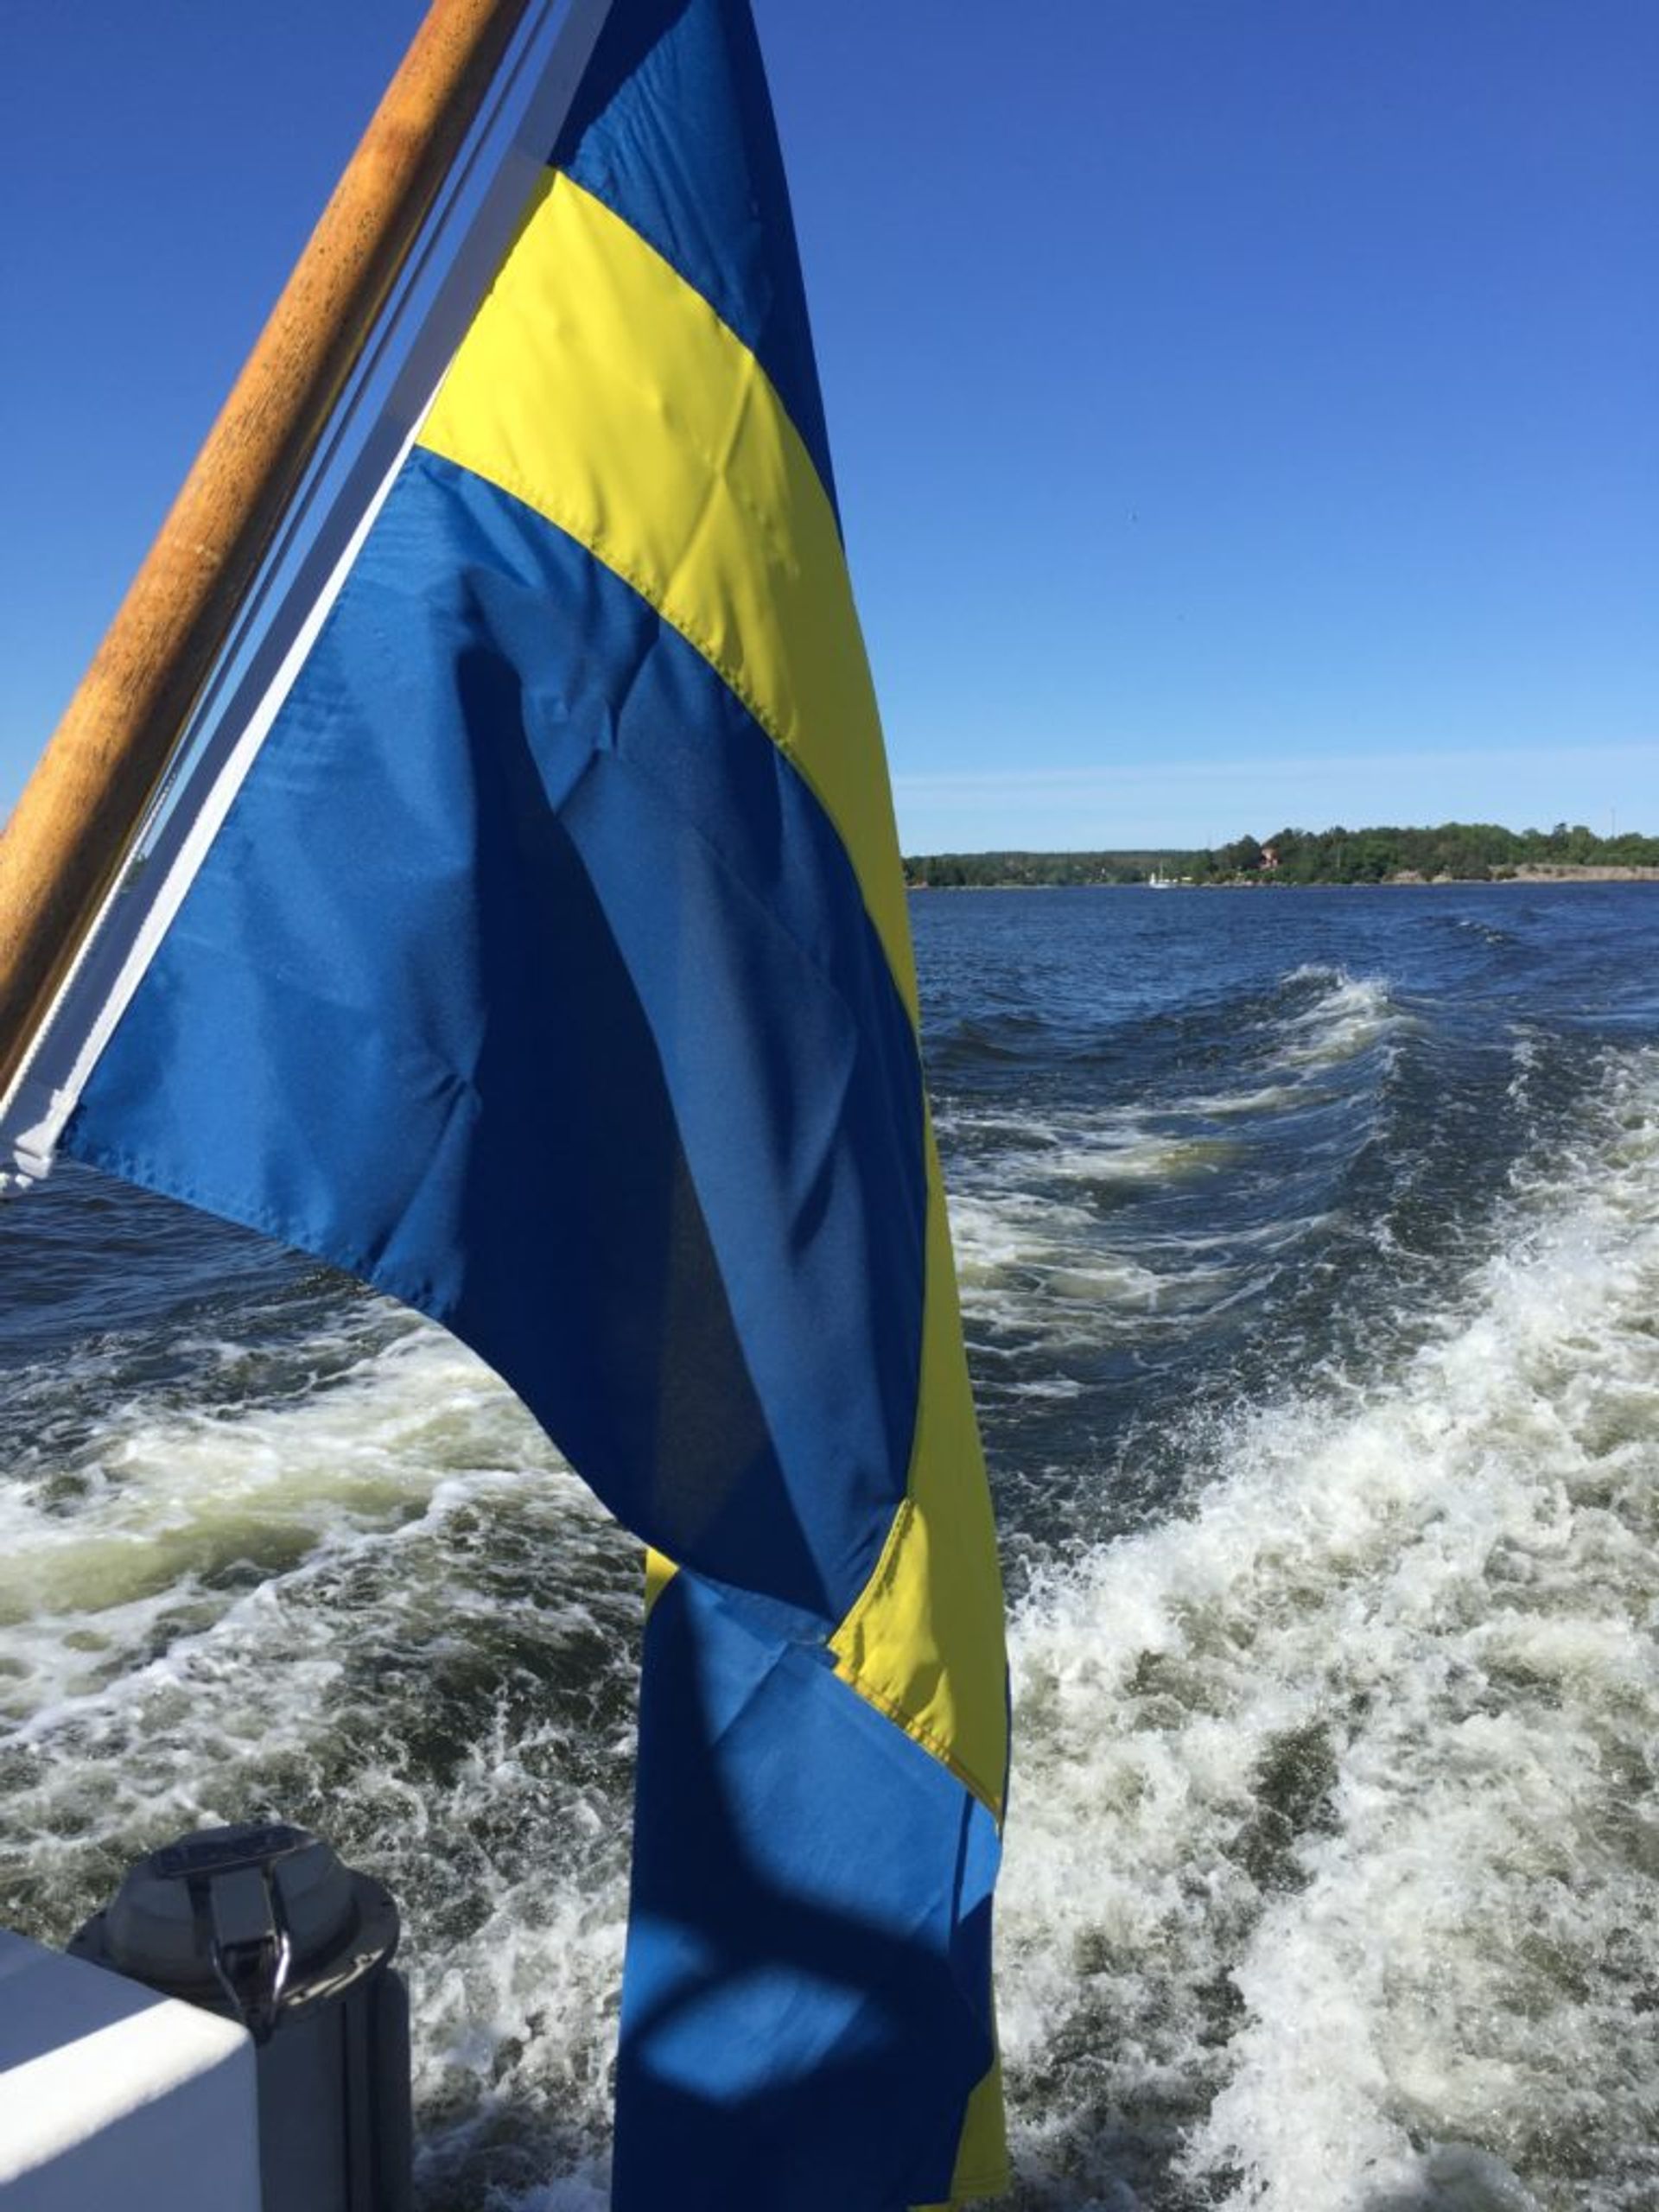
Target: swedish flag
x,y
551,972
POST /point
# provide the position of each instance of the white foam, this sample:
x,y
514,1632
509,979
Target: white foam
x,y
1326,1887
1035,1196
1266,1098
1329,1843
161,1498
1032,1223
423,1566
1351,1015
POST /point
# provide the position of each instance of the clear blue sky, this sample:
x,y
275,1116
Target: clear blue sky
x,y
1245,410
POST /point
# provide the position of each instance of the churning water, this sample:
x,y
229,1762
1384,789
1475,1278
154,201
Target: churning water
x,y
1309,1247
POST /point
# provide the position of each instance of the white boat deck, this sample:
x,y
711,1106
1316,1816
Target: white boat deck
x,y
113,2097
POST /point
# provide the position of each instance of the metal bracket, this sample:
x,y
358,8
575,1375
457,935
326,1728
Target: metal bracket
x,y
251,1950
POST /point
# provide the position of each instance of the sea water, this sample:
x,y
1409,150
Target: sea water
x,y
1310,1252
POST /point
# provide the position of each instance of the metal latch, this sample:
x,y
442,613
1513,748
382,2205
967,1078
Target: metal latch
x,y
252,1951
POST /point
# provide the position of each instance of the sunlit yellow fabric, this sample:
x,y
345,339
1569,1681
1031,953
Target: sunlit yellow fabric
x,y
923,1641
982,2167
599,388
693,485
660,1573
603,390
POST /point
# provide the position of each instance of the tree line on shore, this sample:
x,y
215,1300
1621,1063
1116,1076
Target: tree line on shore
x,y
1477,852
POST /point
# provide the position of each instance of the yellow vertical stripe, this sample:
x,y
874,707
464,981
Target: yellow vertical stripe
x,y
924,1639
981,2168
601,390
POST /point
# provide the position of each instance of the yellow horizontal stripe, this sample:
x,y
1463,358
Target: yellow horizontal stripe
x,y
600,389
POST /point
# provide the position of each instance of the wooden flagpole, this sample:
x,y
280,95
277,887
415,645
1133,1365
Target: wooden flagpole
x,y
76,820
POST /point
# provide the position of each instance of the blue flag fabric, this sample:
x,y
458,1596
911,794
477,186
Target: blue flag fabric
x,y
551,972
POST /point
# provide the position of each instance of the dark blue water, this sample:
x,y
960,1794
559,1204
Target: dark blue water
x,y
1205,1144
1309,1243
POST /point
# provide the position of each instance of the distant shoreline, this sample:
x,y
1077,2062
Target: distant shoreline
x,y
1446,852
1405,880
1410,879
1563,872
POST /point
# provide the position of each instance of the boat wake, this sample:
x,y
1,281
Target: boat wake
x,y
1330,1877
1330,1868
